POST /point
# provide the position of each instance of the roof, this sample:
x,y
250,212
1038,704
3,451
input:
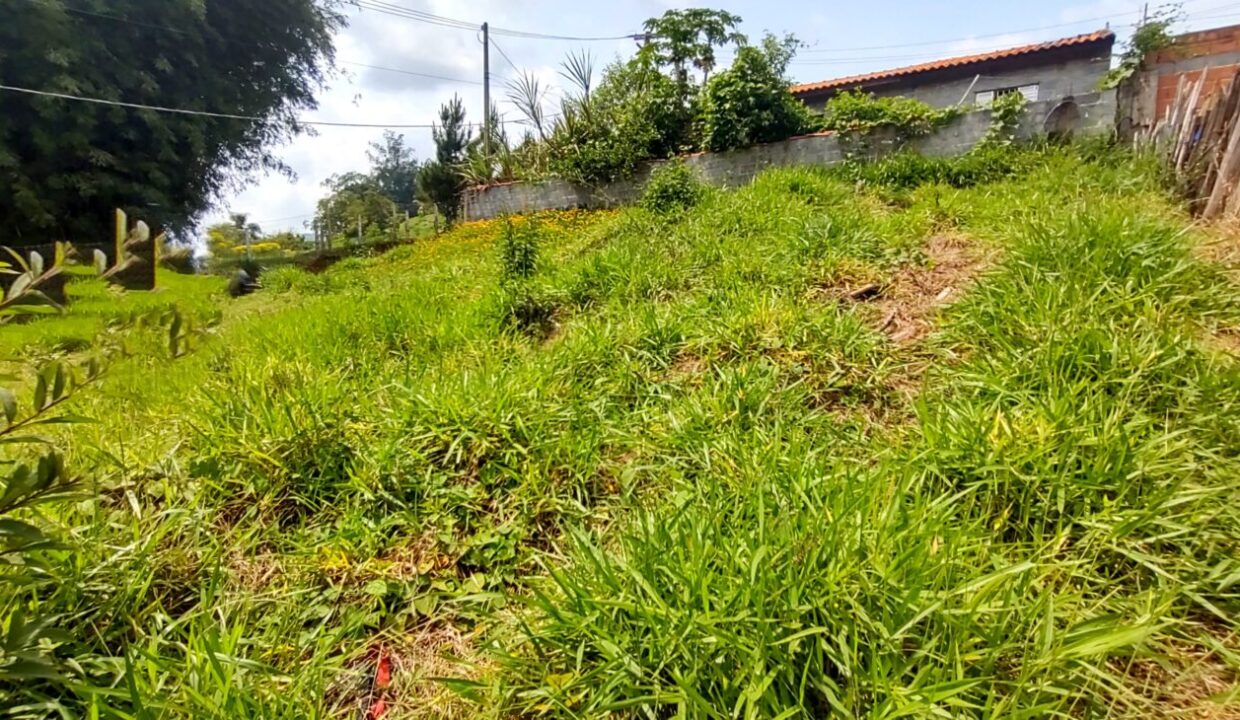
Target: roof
x,y
1099,37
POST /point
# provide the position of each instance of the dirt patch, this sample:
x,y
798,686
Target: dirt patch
x,y
399,678
1227,341
1190,682
1222,246
256,573
686,367
904,308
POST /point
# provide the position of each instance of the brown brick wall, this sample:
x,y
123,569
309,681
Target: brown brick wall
x,y
1200,44
1217,78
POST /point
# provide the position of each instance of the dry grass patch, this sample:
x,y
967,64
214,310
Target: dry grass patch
x,y
907,305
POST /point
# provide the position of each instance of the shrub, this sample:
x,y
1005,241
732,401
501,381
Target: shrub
x,y
672,187
908,170
857,113
634,115
1005,114
523,305
749,102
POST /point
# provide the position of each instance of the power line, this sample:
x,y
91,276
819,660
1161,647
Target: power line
x,y
281,219
199,113
505,56
150,26
1001,34
413,73
930,54
440,20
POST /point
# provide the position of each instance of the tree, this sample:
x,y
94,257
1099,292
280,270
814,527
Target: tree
x,y
394,170
441,182
65,165
354,197
247,229
223,238
681,38
749,102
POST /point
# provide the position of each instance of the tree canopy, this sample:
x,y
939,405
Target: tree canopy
x,y
65,165
394,170
441,181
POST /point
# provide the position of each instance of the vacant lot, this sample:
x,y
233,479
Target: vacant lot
x,y
813,447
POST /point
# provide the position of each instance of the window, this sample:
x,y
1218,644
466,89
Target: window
x,y
986,97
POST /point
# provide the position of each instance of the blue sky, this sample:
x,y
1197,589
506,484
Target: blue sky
x,y
842,39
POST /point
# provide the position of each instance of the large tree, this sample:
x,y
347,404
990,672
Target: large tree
x,y
354,198
65,165
394,169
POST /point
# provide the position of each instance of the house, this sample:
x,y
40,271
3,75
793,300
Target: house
x,y
1210,54
1043,71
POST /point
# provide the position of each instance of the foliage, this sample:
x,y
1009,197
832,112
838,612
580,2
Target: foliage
x,y
857,113
672,188
481,168
65,166
906,170
354,197
523,304
394,171
223,237
683,38
749,103
605,134
27,650
441,181
1149,36
21,292
1005,114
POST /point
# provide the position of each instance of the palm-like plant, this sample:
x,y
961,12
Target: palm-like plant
x,y
25,292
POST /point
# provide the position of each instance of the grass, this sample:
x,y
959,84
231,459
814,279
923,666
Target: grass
x,y
714,479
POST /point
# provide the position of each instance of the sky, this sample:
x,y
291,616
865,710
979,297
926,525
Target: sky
x,y
840,39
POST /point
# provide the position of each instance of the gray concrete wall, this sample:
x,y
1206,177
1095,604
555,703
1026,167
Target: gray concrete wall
x,y
738,167
1067,79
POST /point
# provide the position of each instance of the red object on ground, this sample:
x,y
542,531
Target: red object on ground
x,y
377,709
383,672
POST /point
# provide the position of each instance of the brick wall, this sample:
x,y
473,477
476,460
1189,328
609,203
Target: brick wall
x,y
738,167
1151,93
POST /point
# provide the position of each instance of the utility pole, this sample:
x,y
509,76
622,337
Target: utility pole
x,y
359,229
486,92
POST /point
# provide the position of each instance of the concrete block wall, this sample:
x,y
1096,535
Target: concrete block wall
x,y
738,167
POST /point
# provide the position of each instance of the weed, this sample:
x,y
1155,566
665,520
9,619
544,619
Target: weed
x,y
672,188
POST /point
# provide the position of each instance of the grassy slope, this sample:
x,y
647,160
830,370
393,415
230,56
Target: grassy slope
x,y
715,485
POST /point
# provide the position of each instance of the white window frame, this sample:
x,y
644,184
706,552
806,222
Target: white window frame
x,y
985,98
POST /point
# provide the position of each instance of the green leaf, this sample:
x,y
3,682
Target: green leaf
x,y
18,529
40,393
8,405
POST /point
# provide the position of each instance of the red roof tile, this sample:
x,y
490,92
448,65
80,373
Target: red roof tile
x,y
955,62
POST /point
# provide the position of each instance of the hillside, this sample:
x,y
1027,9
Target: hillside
x,y
812,447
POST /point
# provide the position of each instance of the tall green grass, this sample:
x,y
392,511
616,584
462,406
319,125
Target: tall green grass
x,y
708,486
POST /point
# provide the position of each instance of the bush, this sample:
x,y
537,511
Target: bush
x,y
857,113
908,170
672,187
1005,114
634,115
523,304
749,103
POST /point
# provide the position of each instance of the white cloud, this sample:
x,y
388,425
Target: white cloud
x,y
366,95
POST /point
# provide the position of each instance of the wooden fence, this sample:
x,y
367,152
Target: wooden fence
x,y
1199,140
